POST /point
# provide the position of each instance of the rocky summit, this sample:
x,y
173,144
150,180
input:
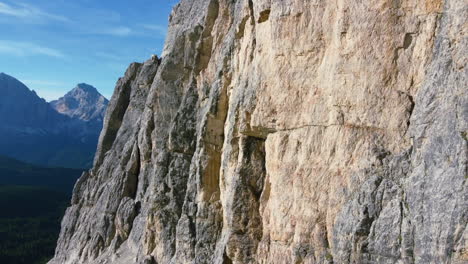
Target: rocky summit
x,y
83,102
285,132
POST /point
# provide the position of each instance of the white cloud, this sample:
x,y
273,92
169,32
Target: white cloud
x,y
141,30
118,31
29,13
49,94
23,49
43,83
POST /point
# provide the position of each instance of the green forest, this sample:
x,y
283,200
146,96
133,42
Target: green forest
x,y
29,223
32,203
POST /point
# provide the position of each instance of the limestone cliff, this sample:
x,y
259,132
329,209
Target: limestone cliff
x,y
285,131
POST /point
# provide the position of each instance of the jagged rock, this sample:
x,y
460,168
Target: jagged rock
x,y
285,132
83,102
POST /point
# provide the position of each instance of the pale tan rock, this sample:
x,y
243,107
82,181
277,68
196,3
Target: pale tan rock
x,y
286,132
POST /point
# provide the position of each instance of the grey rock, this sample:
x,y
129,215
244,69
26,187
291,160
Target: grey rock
x,y
284,132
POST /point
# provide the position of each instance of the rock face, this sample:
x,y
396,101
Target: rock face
x,y
33,131
285,132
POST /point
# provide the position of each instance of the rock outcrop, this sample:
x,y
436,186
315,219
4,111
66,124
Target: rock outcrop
x,y
285,132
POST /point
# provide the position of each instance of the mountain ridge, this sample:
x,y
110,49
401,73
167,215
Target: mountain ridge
x,y
34,131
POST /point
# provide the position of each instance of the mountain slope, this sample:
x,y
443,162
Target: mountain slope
x,y
22,110
285,132
33,131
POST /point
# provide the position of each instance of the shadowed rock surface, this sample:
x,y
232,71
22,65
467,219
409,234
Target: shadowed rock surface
x,y
21,107
285,132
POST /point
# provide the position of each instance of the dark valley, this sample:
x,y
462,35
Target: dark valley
x,y
32,202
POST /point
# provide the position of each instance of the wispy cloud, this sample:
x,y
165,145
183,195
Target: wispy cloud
x,y
29,13
142,30
24,49
118,31
49,94
49,90
43,83
157,28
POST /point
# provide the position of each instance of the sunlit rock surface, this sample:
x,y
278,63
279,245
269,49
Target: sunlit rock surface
x,y
285,132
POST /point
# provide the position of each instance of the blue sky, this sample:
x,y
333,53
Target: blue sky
x,y
51,45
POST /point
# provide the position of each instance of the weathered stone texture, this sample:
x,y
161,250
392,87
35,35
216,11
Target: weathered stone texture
x,y
285,132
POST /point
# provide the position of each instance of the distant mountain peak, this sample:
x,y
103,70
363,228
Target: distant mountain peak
x,y
86,87
10,78
6,75
12,87
83,102
61,133
18,104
